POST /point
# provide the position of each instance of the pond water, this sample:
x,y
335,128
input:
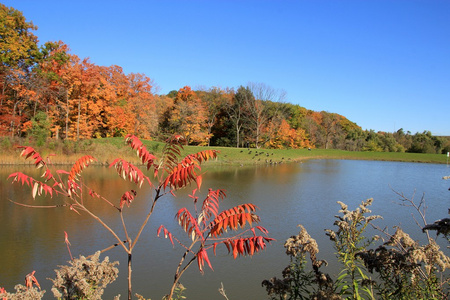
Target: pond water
x,y
287,195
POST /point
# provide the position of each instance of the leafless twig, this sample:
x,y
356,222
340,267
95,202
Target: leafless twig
x,y
222,291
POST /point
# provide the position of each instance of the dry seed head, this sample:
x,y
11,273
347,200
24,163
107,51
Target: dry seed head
x,y
374,217
331,234
343,206
301,244
401,238
433,256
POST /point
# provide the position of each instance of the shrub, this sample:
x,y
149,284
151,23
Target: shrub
x,y
84,278
403,269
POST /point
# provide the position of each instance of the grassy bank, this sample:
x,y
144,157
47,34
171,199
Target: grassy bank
x,y
106,150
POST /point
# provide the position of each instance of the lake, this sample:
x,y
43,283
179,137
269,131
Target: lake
x,y
287,195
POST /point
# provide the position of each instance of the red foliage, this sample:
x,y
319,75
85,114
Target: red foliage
x,y
79,165
233,217
202,228
202,256
246,246
30,279
127,198
29,151
129,172
37,186
189,224
136,144
167,234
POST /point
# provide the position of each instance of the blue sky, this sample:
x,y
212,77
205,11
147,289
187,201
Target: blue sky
x,y
384,64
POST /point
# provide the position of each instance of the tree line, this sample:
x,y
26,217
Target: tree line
x,y
48,92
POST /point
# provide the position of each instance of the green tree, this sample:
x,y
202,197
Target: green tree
x,y
40,128
425,142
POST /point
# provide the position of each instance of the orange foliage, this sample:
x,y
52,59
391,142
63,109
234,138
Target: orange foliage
x,y
287,137
189,117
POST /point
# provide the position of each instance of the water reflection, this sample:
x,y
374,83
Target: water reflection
x,y
287,194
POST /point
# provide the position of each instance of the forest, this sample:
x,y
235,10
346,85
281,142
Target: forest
x,y
47,92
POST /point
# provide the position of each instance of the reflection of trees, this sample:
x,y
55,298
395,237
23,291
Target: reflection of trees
x,y
31,236
28,233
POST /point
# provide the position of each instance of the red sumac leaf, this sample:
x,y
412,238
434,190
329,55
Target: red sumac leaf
x,y
30,279
29,151
79,165
167,234
202,256
128,171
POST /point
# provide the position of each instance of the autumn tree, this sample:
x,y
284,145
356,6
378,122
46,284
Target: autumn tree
x,y
236,109
141,105
258,107
188,115
330,126
294,114
85,106
18,53
18,45
57,70
115,89
214,101
311,124
285,137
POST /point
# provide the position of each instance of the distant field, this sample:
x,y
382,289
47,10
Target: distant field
x,y
105,150
246,156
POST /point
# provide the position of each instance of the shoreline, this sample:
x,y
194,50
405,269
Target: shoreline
x,y
105,151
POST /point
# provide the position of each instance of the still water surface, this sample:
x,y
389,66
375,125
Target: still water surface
x,y
287,195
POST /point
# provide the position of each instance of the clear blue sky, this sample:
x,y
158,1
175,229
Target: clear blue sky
x,y
384,64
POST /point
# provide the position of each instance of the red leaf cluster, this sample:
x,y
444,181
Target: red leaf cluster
x,y
181,176
203,155
189,224
136,144
211,204
127,198
30,279
29,151
48,175
202,256
79,165
183,173
200,229
37,186
245,246
167,233
232,218
129,171
72,187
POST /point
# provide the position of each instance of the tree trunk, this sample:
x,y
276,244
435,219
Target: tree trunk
x,y
78,119
237,135
67,114
129,276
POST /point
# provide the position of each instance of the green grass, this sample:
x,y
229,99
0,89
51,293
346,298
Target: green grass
x,y
245,156
107,149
